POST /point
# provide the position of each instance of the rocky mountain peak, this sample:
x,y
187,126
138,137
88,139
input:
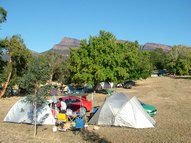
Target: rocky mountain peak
x,y
153,46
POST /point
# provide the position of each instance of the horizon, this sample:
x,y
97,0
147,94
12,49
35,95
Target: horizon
x,y
43,24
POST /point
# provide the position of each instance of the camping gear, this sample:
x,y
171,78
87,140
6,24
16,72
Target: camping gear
x,y
22,112
53,112
62,117
80,122
54,129
122,110
95,109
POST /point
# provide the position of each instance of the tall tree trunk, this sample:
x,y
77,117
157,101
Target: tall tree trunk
x,y
2,93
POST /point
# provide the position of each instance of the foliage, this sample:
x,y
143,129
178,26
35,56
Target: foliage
x,y
35,75
144,66
179,60
54,61
158,59
103,58
40,97
95,60
3,15
16,57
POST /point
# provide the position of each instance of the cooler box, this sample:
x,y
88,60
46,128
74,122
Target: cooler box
x,y
62,117
80,122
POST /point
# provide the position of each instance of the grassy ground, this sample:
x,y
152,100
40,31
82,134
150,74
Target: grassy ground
x,y
171,96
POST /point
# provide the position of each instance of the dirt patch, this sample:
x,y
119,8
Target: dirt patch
x,y
172,98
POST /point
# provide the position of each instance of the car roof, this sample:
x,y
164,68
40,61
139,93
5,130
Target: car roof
x,y
72,97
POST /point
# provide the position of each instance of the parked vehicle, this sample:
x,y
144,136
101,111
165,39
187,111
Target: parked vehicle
x,y
78,89
77,104
151,110
119,85
128,84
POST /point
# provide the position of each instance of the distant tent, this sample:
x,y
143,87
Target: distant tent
x,y
121,110
105,85
22,112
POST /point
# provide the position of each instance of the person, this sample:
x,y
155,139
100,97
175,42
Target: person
x,y
63,107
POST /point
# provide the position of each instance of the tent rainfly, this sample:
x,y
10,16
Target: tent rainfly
x,y
122,110
22,112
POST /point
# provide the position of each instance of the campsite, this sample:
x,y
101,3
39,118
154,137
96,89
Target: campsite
x,y
171,96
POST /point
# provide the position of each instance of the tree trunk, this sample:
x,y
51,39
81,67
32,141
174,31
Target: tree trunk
x,y
2,93
34,114
95,85
35,129
51,76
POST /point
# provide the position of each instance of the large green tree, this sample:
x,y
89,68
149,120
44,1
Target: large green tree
x,y
16,58
97,60
103,58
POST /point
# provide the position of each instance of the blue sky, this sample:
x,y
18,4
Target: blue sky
x,y
43,23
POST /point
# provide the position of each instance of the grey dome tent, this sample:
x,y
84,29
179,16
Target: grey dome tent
x,y
22,112
104,85
122,110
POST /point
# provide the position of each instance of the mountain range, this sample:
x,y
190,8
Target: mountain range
x,y
66,43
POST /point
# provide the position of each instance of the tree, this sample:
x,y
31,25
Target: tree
x,y
32,80
179,60
17,57
103,58
130,59
144,66
54,61
97,60
3,15
158,59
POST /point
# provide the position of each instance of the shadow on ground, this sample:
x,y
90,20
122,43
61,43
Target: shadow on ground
x,y
182,77
90,136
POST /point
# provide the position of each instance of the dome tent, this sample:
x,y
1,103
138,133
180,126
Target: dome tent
x,y
22,112
122,110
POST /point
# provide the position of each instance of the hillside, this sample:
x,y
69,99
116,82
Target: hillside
x,y
153,46
66,43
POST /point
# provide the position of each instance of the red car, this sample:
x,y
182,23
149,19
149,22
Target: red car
x,y
77,104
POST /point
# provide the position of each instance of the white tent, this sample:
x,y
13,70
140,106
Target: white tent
x,y
22,112
105,85
121,110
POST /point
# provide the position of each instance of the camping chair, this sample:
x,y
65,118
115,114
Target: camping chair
x,y
80,122
79,125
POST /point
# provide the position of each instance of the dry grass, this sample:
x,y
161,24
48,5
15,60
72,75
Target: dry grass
x,y
172,98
